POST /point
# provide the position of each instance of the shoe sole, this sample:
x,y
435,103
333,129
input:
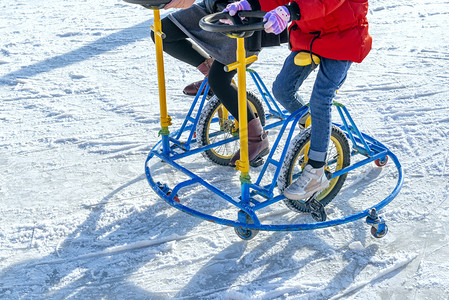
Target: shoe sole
x,y
209,94
305,196
258,161
252,163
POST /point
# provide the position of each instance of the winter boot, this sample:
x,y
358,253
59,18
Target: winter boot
x,y
310,182
204,68
257,143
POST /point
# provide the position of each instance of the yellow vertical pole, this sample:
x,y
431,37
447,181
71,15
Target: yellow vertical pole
x,y
165,118
243,165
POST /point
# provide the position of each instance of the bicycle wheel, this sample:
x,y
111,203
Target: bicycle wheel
x,y
339,157
216,124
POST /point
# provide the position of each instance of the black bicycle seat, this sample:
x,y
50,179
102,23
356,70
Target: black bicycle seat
x,y
151,4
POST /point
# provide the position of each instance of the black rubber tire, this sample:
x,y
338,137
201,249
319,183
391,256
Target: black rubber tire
x,y
339,153
213,109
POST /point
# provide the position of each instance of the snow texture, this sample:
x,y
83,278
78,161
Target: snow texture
x,y
79,113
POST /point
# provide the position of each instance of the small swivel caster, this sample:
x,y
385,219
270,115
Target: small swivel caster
x,y
381,162
244,233
378,227
167,191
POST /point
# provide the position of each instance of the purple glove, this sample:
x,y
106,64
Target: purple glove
x,y
277,20
233,8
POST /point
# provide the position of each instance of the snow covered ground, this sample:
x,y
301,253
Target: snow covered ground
x,y
79,114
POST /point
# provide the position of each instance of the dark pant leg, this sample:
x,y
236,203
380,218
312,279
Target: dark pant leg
x,y
220,83
177,45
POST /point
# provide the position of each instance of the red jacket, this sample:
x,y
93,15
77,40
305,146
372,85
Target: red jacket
x,y
340,27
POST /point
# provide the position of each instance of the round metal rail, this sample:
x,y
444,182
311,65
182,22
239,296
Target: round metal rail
x,y
170,199
243,24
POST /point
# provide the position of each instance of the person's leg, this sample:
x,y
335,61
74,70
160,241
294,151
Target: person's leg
x,y
220,83
330,77
177,45
287,83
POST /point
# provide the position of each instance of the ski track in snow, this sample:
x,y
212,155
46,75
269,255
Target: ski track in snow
x,y
79,114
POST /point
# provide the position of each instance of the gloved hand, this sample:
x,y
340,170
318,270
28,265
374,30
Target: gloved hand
x,y
233,8
277,20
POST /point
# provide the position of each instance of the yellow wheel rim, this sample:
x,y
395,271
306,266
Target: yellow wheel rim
x,y
227,127
335,153
225,151
335,157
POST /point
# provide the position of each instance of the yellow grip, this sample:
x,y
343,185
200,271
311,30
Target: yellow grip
x,y
158,32
233,66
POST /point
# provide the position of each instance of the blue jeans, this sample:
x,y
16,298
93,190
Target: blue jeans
x,y
331,75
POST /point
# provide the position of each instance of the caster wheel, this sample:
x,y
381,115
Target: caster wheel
x,y
381,161
244,233
175,197
165,189
379,234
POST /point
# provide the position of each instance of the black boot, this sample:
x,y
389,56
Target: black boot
x,y
258,145
192,89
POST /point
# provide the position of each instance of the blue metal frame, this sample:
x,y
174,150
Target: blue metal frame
x,y
362,144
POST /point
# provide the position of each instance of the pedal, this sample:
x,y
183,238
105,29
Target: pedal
x,y
317,210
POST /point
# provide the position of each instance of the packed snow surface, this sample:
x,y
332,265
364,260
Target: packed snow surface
x,y
79,113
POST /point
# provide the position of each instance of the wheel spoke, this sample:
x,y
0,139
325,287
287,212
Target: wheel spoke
x,y
217,125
